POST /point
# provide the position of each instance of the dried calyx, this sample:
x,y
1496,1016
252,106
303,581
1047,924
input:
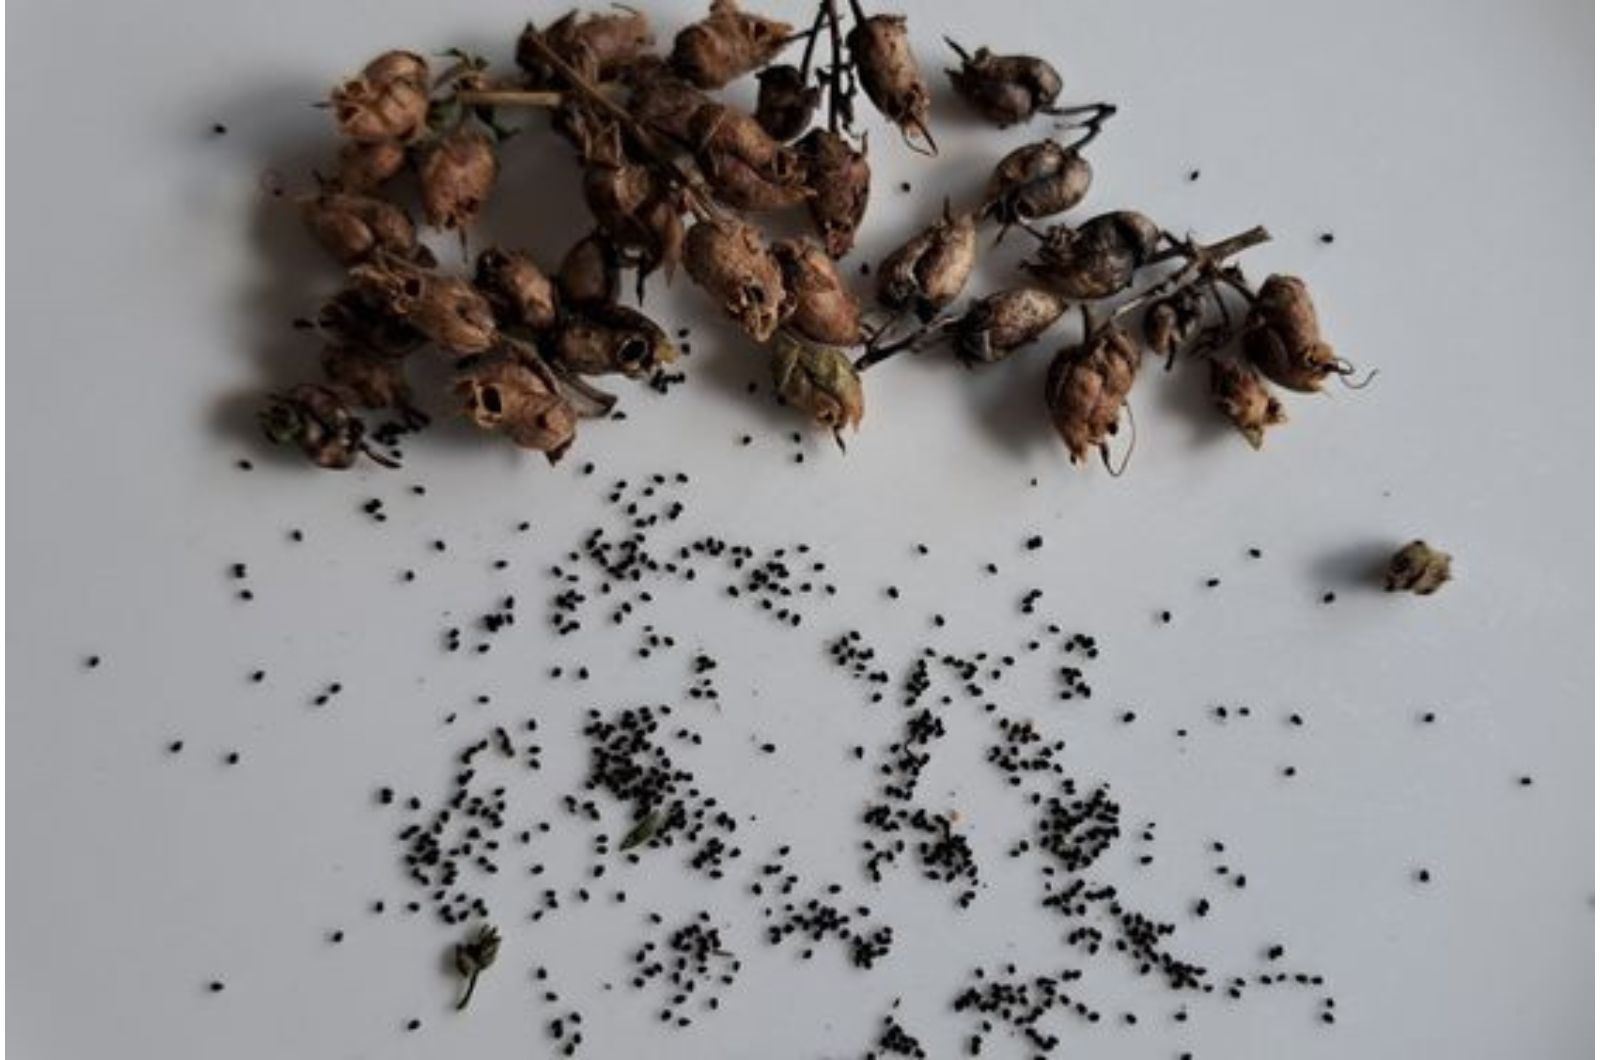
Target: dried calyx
x,y
319,421
1240,393
1417,568
818,380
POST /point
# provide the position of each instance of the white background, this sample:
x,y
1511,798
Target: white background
x,y
1447,145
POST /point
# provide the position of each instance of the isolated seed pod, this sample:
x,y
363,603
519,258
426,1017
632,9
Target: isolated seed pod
x,y
726,44
447,309
597,46
1037,180
928,272
456,175
1099,257
350,318
374,381
785,102
388,100
365,166
746,168
502,393
1418,568
1173,322
730,261
353,228
518,290
610,339
887,69
661,101
818,380
1283,339
1005,89
824,309
1001,323
589,272
1244,398
1086,389
318,419
839,181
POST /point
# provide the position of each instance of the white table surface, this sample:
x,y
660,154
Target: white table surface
x,y
1447,145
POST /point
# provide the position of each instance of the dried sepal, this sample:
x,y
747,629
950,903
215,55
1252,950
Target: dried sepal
x,y
1242,395
1005,89
818,380
1283,339
929,271
1037,180
880,49
1417,568
505,393
474,956
320,422
729,259
590,271
726,44
518,291
609,339
785,102
1099,257
456,174
996,325
745,167
596,45
447,309
388,100
1086,388
839,180
364,166
824,310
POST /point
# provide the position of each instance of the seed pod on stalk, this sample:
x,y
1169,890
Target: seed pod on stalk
x,y
728,259
928,272
372,381
590,271
595,45
997,325
609,339
1086,388
746,168
1283,339
1173,322
517,289
1005,89
350,318
456,174
1238,390
726,44
887,70
1099,257
635,207
502,392
388,100
365,166
819,381
447,309
785,102
839,180
824,309
355,228
1037,180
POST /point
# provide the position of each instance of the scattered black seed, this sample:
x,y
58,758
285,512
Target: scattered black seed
x,y
216,986
1328,598
1525,781
413,1024
1034,543
1194,175
1254,553
1326,238
1166,617
92,662
175,746
1212,583
231,758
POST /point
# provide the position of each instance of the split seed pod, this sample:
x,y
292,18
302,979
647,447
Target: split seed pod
x,y
785,102
1283,339
1037,180
1005,89
364,166
611,339
595,45
456,175
1001,323
589,272
318,419
349,318
447,309
839,180
518,290
928,272
1086,388
746,168
354,228
726,44
881,50
1099,257
1243,397
819,381
504,393
729,259
1418,568
824,309
388,100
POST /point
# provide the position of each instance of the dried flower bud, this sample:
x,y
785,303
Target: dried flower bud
x,y
1005,89
610,339
928,272
995,326
456,175
662,101
746,168
1244,398
372,380
1418,568
318,419
729,260
1099,257
824,309
887,69
447,309
1087,387
354,228
518,290
839,180
726,44
387,101
349,318
364,166
589,272
474,956
818,380
506,394
784,102
1037,180
1283,339
595,45
1173,322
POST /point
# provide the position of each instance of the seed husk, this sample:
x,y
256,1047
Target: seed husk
x,y
447,309
388,100
1239,391
1417,568
929,271
729,259
456,175
1086,388
840,181
1005,89
997,325
1037,180
824,309
726,44
1283,339
518,291
502,392
880,47
609,339
1098,258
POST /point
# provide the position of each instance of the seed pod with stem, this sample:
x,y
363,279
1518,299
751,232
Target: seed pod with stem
x,y
839,180
350,318
1087,386
518,291
509,394
456,173
589,272
1005,89
447,309
661,101
1098,258
887,69
1036,180
1172,323
746,168
824,309
635,206
357,228
598,45
726,44
819,381
388,100
1284,340
999,324
729,259
785,101
319,420
609,339
372,381
1417,568
929,271
364,166
474,956
1239,391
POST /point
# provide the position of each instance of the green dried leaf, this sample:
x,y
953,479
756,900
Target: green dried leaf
x,y
644,831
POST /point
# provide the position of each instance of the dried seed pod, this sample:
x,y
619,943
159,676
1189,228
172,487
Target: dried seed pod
x,y
388,100
726,44
1005,89
456,175
1244,398
928,272
595,45
1087,387
638,211
1099,257
1418,568
610,339
818,380
785,102
372,380
447,309
1171,323
354,228
589,272
824,309
839,180
518,290
364,166
319,420
349,318
746,168
1283,339
729,260
506,394
880,48
1037,180
662,101
996,325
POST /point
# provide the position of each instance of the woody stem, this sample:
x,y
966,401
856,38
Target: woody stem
x,y
1201,259
509,97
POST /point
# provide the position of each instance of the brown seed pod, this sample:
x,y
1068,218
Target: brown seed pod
x,y
1005,89
880,48
785,102
447,309
504,393
746,168
1417,568
1173,322
610,339
518,290
729,260
595,45
661,101
1243,397
997,325
1086,389
364,166
726,44
839,180
456,175
1099,257
638,211
1037,180
318,419
349,318
1283,339
354,228
824,309
928,272
373,381
819,381
388,100
589,272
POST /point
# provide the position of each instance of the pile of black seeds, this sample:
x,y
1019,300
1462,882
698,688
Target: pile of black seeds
x,y
692,963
